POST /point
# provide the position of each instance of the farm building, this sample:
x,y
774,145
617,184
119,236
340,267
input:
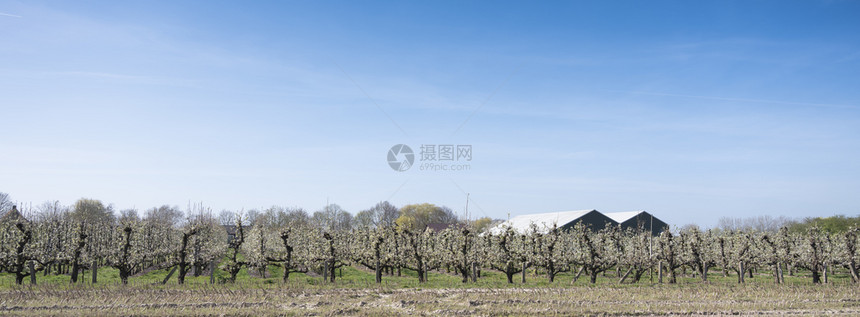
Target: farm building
x,y
232,231
638,220
439,227
13,216
562,219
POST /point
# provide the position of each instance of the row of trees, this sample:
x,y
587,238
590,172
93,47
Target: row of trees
x,y
334,218
60,240
832,224
464,251
56,239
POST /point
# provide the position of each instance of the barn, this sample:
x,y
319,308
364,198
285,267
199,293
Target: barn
x,y
13,216
439,227
638,220
232,232
562,219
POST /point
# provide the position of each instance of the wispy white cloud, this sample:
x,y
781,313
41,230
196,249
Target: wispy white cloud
x,y
119,77
10,15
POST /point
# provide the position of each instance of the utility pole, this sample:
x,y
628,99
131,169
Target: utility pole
x,y
466,212
650,254
650,228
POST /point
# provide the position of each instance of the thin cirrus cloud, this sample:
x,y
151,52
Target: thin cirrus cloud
x,y
10,15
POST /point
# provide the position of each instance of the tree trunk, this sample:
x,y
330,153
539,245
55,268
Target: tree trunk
x,y
32,267
637,274
123,277
420,272
378,270
212,266
550,271
183,270
474,272
234,270
183,265
75,268
741,272
95,271
19,266
525,266
781,275
593,276
780,279
325,271
660,272
672,277
852,268
825,274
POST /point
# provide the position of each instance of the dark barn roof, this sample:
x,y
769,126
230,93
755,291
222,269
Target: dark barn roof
x,y
232,231
13,216
563,220
437,227
639,220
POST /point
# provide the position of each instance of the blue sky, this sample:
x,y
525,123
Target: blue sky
x,y
690,110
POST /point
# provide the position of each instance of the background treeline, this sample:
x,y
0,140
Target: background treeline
x,y
56,239
832,224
